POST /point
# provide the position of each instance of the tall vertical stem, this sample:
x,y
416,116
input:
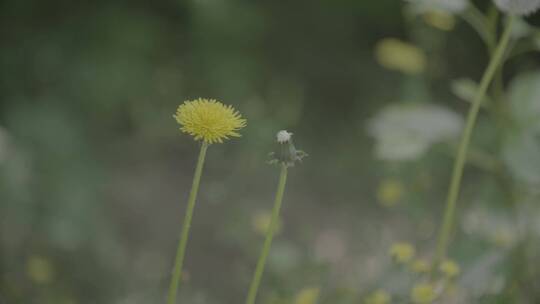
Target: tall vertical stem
x,y
457,173
252,294
184,236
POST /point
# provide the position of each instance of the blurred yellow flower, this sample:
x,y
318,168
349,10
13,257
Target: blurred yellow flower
x,y
389,192
440,20
261,223
68,301
423,293
420,266
449,268
397,55
307,296
503,237
39,270
402,252
209,120
378,297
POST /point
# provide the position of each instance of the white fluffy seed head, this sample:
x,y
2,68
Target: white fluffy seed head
x,y
283,136
518,7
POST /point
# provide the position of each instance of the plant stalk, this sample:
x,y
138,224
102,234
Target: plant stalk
x,y
457,173
255,282
184,236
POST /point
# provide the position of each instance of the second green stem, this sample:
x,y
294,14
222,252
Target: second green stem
x,y
457,173
252,294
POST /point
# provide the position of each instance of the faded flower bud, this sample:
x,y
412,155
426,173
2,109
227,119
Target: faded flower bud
x,y
283,136
286,153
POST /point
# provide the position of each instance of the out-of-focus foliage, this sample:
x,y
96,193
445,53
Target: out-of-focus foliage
x,y
406,131
94,173
521,151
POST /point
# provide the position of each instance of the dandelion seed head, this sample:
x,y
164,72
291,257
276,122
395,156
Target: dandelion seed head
x,y
209,120
286,153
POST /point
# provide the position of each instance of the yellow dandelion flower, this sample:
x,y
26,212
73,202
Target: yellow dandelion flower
x,y
307,296
389,192
402,252
209,120
449,268
395,54
440,20
39,269
423,293
420,266
378,297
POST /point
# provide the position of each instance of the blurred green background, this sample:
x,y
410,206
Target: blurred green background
x,y
94,173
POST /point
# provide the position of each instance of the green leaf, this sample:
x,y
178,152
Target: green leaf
x,y
465,88
521,154
521,150
520,28
405,132
524,96
450,6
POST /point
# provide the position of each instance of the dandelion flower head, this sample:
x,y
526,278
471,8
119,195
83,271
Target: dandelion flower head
x,y
402,56
209,120
449,268
261,223
440,19
420,266
389,192
378,297
423,293
39,269
307,296
402,252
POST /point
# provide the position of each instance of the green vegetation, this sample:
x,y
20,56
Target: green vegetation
x,y
421,119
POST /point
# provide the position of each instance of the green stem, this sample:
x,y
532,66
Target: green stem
x,y
184,236
457,173
269,236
